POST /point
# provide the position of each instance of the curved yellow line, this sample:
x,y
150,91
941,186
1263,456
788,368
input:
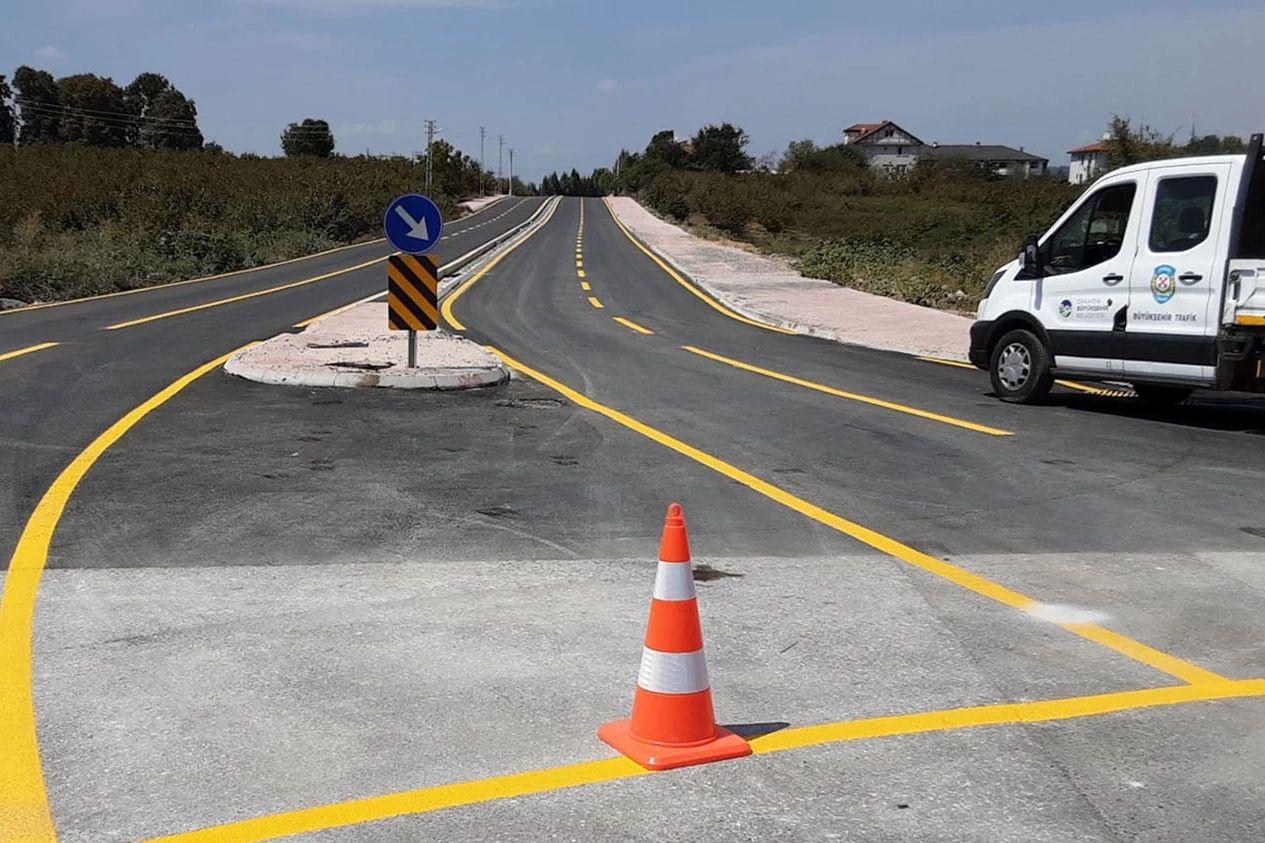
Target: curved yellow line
x,y
24,813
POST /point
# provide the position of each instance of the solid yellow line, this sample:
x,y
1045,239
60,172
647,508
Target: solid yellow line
x,y
446,307
959,576
24,813
593,301
425,800
9,355
190,280
852,396
586,286
628,323
243,297
675,276
942,360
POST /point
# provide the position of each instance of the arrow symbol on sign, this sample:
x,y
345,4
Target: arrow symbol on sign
x,y
417,228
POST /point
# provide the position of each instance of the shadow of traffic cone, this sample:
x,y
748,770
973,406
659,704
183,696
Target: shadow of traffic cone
x,y
672,723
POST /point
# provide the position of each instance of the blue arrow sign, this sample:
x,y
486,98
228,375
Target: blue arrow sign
x,y
413,224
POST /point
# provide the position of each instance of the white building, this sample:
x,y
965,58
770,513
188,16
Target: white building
x,y
1088,162
888,148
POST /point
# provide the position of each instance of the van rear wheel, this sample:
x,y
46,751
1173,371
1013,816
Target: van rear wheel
x,y
1020,368
1157,395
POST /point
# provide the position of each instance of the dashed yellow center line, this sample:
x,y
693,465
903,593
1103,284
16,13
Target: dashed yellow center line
x,y
586,286
851,396
579,264
580,272
628,323
593,301
9,355
242,297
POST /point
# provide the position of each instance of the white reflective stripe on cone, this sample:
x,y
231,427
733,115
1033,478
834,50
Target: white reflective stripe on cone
x,y
674,581
673,673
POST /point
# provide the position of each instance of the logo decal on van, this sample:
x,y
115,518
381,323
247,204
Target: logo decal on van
x,y
1164,283
1065,308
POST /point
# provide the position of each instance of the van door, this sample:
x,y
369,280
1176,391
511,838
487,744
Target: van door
x,y
1174,288
1084,289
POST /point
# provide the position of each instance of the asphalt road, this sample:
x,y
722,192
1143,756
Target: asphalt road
x,y
53,402
267,598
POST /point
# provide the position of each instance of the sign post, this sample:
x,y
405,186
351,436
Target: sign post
x,y
413,225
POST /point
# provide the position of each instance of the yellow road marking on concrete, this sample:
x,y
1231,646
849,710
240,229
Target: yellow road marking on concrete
x,y
946,362
593,301
579,264
586,286
243,297
9,355
24,813
675,276
852,396
1093,390
446,307
1164,662
628,323
429,799
580,272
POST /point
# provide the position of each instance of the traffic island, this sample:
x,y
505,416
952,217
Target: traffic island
x,y
354,348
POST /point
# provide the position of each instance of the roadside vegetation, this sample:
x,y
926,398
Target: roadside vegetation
x,y
933,237
104,188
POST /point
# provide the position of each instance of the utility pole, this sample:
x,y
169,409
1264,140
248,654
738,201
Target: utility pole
x,y
511,171
430,159
500,164
483,133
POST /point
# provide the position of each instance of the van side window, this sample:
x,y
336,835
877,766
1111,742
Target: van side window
x,y
1252,238
1183,213
1095,232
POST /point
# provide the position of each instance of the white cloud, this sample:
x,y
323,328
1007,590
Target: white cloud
x,y
353,130
608,86
48,53
306,42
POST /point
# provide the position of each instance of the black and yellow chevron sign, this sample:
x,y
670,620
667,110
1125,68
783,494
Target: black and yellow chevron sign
x,y
412,293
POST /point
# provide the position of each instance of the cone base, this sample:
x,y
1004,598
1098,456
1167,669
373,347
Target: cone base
x,y
657,756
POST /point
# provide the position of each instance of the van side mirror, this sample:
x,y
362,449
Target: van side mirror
x,y
1030,258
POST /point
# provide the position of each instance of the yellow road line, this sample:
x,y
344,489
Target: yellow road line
x,y
1164,662
580,272
675,276
190,280
942,360
429,799
586,286
852,396
24,813
243,297
593,301
9,355
628,323
446,306
579,264
1093,390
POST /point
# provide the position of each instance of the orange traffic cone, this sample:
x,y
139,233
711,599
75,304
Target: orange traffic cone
x,y
672,723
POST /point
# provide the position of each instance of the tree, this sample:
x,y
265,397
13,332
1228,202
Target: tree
x,y
1128,146
664,147
796,153
213,148
1214,145
840,158
39,105
92,111
171,122
311,137
8,126
139,96
720,149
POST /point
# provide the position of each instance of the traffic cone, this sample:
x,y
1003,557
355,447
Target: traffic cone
x,y
672,723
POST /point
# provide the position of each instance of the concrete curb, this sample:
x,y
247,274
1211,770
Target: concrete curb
x,y
431,379
739,306
442,379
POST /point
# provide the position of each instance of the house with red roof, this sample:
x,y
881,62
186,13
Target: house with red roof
x,y
892,150
1088,162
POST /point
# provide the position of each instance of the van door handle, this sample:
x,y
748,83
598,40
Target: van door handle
x,y
1113,278
1190,277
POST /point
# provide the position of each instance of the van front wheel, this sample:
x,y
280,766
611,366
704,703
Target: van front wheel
x,y
1020,368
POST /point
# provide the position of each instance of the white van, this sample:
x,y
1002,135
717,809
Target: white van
x,y
1154,277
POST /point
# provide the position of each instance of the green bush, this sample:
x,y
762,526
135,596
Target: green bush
x,y
79,220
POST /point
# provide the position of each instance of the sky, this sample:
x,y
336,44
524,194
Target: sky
x,y
570,82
